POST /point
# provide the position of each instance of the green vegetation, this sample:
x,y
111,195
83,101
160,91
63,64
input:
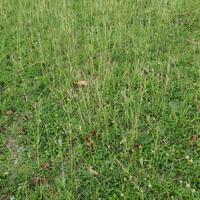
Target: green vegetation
x,y
130,129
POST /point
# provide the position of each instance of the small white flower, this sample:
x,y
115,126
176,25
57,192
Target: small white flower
x,y
187,157
187,185
60,141
130,177
16,161
191,161
124,140
122,195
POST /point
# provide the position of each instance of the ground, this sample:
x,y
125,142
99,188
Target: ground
x,y
100,99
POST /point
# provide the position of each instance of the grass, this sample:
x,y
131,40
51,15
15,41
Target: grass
x,y
132,132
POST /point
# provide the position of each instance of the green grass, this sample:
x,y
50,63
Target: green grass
x,y
136,123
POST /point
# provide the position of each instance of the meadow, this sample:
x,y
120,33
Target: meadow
x,y
99,99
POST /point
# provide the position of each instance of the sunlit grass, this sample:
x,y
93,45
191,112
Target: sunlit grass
x,y
131,131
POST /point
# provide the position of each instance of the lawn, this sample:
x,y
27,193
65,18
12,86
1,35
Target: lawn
x,y
99,99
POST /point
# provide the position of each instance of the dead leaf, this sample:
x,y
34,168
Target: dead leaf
x,y
93,134
45,165
2,129
10,112
137,146
9,144
194,140
82,83
194,42
37,180
92,171
2,87
89,142
23,130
